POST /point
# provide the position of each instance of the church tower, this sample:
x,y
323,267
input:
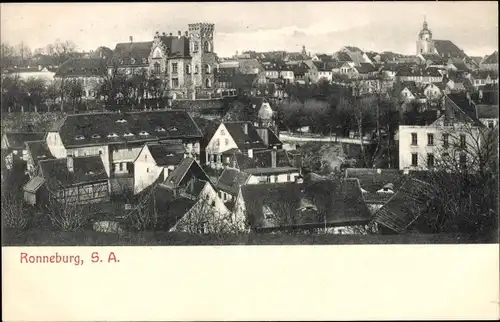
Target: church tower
x,y
425,44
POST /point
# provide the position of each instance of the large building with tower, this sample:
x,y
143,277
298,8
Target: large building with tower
x,y
185,62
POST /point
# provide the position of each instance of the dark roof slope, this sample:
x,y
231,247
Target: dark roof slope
x,y
17,140
373,180
491,59
132,53
248,140
487,111
82,67
170,207
177,46
405,206
167,154
230,180
39,151
311,204
94,128
242,161
86,170
446,48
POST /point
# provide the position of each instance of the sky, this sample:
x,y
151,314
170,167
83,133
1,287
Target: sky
x,y
323,27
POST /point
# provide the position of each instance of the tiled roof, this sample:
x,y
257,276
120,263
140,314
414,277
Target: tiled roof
x,y
243,161
231,179
487,111
170,207
38,151
373,180
405,206
491,59
270,170
17,140
483,74
82,67
132,53
167,154
365,68
316,204
94,128
342,56
175,177
263,158
446,49
466,106
177,46
86,170
250,140
459,64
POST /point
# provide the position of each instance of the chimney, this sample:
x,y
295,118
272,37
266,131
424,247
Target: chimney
x,y
70,162
186,34
250,153
170,34
131,38
164,34
299,179
245,128
179,33
273,158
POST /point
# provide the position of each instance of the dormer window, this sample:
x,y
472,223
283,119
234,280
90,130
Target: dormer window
x,y
268,213
112,135
96,136
172,128
159,129
79,137
121,121
71,70
132,61
144,60
128,134
144,133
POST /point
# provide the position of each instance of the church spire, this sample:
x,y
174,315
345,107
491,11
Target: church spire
x,y
425,23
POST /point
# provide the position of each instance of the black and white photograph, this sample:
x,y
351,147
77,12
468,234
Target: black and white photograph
x,y
249,123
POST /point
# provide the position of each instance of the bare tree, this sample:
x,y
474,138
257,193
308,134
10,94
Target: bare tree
x,y
37,92
67,214
144,215
14,213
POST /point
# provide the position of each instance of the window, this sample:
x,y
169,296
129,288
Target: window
x,y
208,69
288,177
157,69
463,160
121,121
414,159
100,152
226,142
430,139
145,157
121,166
143,133
159,129
217,142
79,137
196,69
208,84
132,61
175,82
147,170
491,124
462,141
174,68
430,160
128,134
446,142
206,47
222,132
196,46
188,69
414,139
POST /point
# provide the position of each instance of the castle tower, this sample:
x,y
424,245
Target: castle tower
x,y
425,44
204,62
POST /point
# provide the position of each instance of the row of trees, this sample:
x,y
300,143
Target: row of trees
x,y
21,54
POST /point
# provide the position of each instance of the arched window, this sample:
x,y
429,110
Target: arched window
x,y
157,68
208,69
208,83
196,46
196,69
206,47
188,69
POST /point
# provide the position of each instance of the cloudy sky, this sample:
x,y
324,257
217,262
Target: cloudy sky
x,y
320,26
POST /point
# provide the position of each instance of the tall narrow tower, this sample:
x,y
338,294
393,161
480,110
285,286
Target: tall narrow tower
x,y
201,48
425,44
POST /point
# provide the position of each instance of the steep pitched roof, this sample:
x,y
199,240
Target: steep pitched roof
x,y
242,161
263,158
86,170
447,48
365,68
311,204
231,179
94,128
132,53
167,154
170,207
405,206
491,59
248,140
373,180
39,151
17,140
464,105
177,46
175,177
82,67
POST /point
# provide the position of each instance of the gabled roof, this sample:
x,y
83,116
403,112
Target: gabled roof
x,y
177,46
373,180
231,179
170,206
464,105
311,204
447,48
94,128
243,161
86,170
132,53
167,154
82,67
249,140
342,56
263,158
491,59
177,175
405,206
38,150
17,140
